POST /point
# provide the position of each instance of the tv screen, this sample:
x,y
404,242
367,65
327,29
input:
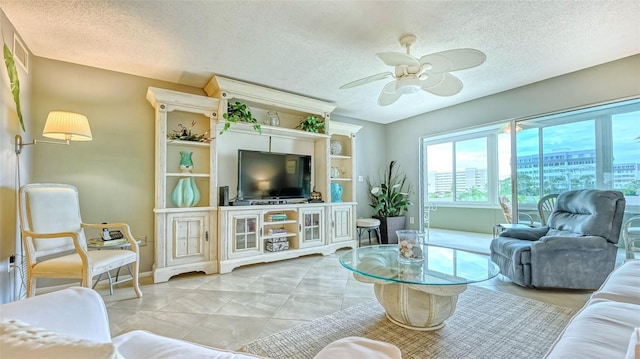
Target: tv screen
x,y
269,175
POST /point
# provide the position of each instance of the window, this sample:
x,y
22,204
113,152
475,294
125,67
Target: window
x,y
596,147
459,168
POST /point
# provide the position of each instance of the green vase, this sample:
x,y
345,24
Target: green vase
x,y
186,193
186,163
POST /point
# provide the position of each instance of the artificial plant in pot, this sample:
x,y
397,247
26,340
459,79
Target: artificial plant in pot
x,y
313,124
389,198
239,112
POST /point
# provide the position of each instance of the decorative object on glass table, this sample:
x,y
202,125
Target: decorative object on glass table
x,y
335,147
186,193
410,245
274,120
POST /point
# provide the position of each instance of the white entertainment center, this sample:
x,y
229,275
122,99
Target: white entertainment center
x,y
215,238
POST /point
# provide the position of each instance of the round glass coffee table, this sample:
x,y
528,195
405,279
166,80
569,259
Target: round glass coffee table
x,y
418,295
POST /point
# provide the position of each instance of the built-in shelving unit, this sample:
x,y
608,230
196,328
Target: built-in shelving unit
x,y
212,238
183,236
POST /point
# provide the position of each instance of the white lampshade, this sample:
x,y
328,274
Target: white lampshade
x,y
67,126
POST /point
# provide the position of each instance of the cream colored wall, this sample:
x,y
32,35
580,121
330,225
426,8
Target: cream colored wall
x,y
114,173
9,128
610,81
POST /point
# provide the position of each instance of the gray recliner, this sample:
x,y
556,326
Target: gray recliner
x,y
577,250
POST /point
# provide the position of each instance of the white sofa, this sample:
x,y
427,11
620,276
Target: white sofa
x,y
73,323
608,326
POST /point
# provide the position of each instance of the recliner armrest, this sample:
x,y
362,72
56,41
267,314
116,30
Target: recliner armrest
x,y
574,243
527,234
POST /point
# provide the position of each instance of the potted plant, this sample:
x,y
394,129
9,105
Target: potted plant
x,y
389,198
312,124
239,112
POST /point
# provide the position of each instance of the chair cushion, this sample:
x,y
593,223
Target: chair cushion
x,y
623,286
601,330
359,348
102,261
140,344
367,222
21,340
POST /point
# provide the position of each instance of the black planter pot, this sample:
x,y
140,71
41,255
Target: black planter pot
x,y
388,228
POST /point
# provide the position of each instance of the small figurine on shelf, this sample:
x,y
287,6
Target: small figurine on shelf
x,y
186,193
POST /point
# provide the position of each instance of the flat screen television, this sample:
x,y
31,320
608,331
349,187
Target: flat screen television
x,y
270,175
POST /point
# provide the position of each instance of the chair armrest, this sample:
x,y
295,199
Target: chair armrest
x,y
79,247
553,243
529,234
77,312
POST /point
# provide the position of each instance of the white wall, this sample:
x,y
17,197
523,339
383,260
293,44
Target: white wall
x,y
9,128
610,81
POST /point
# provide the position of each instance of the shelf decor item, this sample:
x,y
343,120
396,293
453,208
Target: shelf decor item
x,y
336,192
312,124
335,147
239,112
274,120
186,193
335,172
186,134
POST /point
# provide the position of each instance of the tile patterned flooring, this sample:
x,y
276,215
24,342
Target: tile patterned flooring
x,y
227,311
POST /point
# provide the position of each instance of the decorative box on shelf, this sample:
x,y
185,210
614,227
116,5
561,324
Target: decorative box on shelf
x,y
278,217
273,231
277,244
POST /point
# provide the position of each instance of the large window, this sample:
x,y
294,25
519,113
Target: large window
x,y
596,147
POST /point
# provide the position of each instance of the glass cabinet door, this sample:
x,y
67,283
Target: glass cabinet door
x,y
245,233
312,226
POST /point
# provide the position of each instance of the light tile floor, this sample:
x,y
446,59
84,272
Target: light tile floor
x,y
227,311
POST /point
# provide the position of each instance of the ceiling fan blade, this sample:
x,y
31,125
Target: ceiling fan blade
x,y
366,80
397,59
448,85
388,95
453,60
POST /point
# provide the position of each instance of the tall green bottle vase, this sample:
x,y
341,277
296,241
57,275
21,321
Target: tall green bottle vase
x,y
186,193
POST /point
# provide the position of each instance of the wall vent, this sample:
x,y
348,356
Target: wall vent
x,y
20,53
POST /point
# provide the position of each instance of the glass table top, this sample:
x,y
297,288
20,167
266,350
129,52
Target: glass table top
x,y
441,266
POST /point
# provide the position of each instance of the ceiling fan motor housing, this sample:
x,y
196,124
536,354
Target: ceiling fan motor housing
x,y
407,85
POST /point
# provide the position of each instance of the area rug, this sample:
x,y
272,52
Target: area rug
x,y
486,324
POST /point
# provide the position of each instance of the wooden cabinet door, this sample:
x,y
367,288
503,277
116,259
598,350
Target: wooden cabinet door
x,y
189,239
342,224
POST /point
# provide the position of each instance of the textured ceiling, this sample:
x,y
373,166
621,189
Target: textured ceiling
x,y
313,47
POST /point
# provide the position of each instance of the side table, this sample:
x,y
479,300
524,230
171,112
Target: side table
x,y
98,244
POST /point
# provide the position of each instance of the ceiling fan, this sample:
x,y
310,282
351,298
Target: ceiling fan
x,y
430,73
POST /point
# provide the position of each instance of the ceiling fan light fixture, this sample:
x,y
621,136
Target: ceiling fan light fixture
x,y
407,85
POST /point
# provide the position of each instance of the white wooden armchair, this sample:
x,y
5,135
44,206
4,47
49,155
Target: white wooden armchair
x,y
54,241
